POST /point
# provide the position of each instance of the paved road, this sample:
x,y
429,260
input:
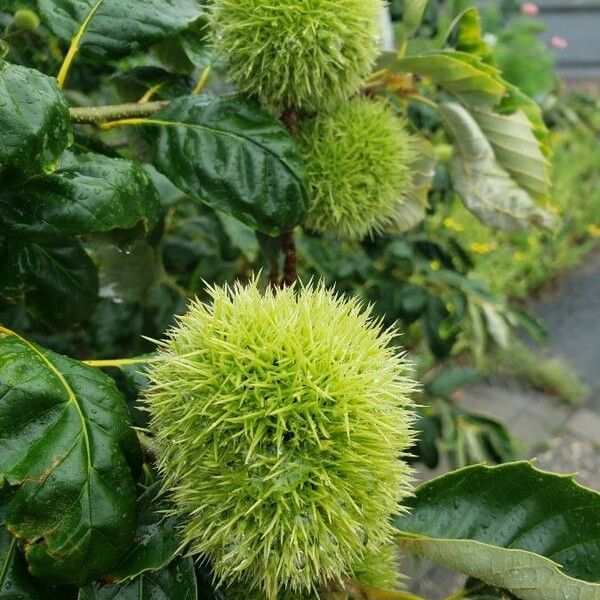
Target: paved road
x,y
571,312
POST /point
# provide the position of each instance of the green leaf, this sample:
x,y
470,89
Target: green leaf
x,y
175,582
89,193
156,540
67,444
231,155
452,379
126,271
517,100
517,149
168,193
58,281
535,534
412,15
497,325
469,35
15,581
34,123
464,75
117,27
241,236
484,187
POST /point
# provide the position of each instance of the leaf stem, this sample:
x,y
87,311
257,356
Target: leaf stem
x,y
423,100
117,362
6,331
100,114
202,81
74,47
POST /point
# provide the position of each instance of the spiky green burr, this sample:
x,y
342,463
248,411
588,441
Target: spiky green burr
x,y
358,159
281,421
378,569
301,54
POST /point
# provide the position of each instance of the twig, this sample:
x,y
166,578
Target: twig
x,y
290,120
290,266
100,114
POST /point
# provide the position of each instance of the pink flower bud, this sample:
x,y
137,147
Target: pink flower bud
x,y
560,43
530,9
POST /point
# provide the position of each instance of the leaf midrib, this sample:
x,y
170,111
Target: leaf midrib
x,y
9,555
85,23
223,132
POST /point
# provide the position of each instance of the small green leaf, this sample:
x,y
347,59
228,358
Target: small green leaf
x,y
231,155
89,193
68,446
535,534
484,187
469,35
34,123
58,281
117,27
177,581
517,149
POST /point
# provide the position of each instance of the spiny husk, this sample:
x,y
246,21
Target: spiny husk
x,y
302,54
378,569
358,158
281,421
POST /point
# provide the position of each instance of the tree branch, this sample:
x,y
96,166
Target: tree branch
x,y
290,266
100,114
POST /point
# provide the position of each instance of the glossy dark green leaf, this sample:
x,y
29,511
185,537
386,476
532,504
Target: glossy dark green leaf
x,y
15,581
133,84
177,581
156,539
535,534
234,157
68,447
168,193
34,123
89,193
58,281
117,27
